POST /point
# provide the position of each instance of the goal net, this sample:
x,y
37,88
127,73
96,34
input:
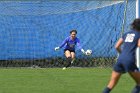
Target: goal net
x,y
30,30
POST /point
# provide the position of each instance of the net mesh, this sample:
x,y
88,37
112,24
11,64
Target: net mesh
x,y
30,30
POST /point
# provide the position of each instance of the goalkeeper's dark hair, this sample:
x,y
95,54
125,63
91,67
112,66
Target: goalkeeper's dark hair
x,y
73,31
136,24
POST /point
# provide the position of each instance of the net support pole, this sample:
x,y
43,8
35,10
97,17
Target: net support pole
x,y
138,49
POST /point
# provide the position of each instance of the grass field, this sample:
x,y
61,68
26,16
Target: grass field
x,y
56,80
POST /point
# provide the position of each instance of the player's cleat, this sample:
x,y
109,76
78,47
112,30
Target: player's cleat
x,y
63,68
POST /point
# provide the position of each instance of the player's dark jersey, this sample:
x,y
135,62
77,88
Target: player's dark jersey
x,y
130,40
126,60
70,44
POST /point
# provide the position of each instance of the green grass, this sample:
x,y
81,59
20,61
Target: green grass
x,y
56,80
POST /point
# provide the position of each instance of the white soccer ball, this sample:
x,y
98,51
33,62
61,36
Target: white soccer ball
x,y
88,52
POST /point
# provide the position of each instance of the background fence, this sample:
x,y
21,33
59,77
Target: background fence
x,y
30,30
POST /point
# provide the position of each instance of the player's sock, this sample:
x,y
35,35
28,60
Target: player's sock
x,y
68,62
107,90
72,61
136,89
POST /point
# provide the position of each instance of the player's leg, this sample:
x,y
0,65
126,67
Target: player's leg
x,y
136,77
113,81
72,56
132,69
68,58
67,53
118,69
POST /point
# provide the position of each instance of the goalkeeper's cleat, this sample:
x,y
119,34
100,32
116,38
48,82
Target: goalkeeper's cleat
x,y
63,68
71,62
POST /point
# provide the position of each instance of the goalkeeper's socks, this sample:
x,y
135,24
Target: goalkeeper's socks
x,y
136,89
68,62
107,90
72,61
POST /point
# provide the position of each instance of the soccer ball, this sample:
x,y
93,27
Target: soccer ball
x,y
88,52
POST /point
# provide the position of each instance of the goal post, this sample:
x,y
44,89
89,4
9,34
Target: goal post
x,y
138,49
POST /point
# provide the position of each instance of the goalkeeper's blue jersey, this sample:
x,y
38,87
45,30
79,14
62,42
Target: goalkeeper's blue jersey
x,y
70,44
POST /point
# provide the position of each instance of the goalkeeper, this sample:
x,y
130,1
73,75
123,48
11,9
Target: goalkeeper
x,y
69,47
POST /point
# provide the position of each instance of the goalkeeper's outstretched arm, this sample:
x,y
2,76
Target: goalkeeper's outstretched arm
x,y
62,44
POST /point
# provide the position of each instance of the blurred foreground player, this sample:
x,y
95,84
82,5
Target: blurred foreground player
x,y
126,61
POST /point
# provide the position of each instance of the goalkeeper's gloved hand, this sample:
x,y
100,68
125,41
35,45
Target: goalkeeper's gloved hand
x,y
57,48
83,51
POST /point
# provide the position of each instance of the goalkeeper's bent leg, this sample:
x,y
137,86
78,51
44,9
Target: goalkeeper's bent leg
x,y
68,62
72,60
